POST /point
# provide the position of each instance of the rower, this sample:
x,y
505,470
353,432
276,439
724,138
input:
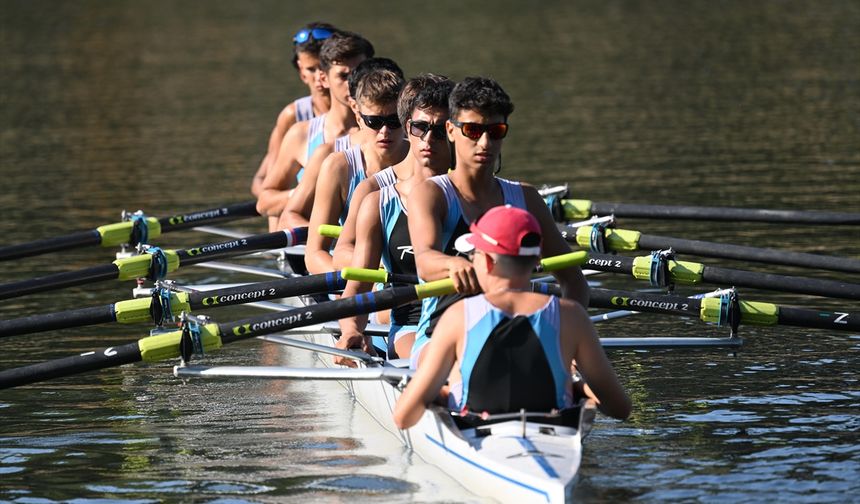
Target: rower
x,y
306,49
381,230
343,171
441,207
297,212
509,349
339,55
421,156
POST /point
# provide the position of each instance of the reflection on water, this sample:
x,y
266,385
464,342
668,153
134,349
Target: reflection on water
x,y
166,107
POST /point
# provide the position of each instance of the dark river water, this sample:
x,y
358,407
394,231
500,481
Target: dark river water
x,y
166,106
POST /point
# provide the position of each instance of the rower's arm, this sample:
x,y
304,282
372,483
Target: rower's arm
x,y
297,212
427,209
571,280
281,175
437,360
345,246
581,343
285,119
368,251
328,204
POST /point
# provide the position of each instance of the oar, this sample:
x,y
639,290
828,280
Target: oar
x,y
111,235
708,310
624,240
213,336
690,273
144,266
573,209
134,311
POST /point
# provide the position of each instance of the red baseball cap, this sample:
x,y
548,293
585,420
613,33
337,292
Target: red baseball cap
x,y
502,230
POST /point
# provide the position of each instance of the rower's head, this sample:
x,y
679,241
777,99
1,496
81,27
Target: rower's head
x,y
505,242
479,109
423,110
339,56
306,51
363,68
376,101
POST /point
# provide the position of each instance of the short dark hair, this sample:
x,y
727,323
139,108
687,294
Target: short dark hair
x,y
369,65
423,92
482,95
311,45
380,87
342,46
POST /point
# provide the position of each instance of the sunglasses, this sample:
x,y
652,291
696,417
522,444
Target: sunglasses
x,y
376,122
420,128
495,131
306,34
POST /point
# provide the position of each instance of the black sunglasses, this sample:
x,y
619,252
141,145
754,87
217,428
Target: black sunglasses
x,y
376,122
495,131
420,128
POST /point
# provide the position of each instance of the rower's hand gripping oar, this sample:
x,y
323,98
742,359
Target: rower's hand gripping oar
x,y
112,235
154,265
212,336
604,239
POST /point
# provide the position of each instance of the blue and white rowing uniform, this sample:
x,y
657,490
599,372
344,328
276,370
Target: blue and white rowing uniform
x,y
342,143
304,108
453,226
356,174
397,257
316,137
385,177
511,362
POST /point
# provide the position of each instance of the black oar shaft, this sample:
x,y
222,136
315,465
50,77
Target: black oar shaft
x,y
754,254
58,281
670,212
276,289
221,214
738,278
79,239
88,361
58,320
277,239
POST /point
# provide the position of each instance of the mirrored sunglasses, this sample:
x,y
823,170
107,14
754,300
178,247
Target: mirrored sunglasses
x,y
305,34
495,131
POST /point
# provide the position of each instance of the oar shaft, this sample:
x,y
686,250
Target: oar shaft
x,y
212,215
754,254
738,278
88,361
276,289
58,320
58,281
74,240
730,214
277,239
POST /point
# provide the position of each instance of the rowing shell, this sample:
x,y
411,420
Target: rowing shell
x,y
511,460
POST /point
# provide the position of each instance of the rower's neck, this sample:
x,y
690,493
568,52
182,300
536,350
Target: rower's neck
x,y
474,184
321,103
340,119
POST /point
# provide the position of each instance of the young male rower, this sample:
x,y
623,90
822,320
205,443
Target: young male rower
x,y
441,208
381,230
306,49
339,55
510,349
343,171
297,212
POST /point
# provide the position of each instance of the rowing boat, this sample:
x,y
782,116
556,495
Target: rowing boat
x,y
520,457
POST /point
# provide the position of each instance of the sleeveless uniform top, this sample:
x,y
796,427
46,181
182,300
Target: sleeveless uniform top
x,y
511,363
397,256
316,137
304,108
453,226
342,143
385,177
357,173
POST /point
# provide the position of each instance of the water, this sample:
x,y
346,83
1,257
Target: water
x,y
166,107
